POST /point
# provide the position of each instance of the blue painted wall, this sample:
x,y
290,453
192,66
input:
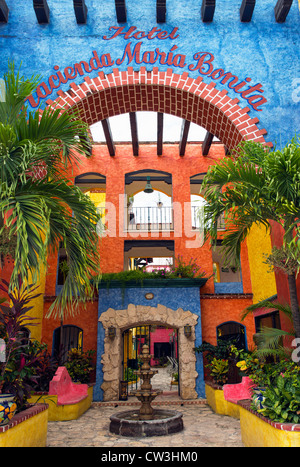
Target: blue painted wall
x,y
174,298
262,50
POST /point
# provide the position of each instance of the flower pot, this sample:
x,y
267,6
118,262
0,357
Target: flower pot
x,y
7,408
258,398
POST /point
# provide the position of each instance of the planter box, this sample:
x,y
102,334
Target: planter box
x,y
258,431
63,412
215,399
154,283
26,429
66,411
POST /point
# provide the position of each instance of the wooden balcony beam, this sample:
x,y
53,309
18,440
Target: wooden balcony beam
x,y
121,11
282,9
246,10
134,133
4,10
208,10
207,143
184,136
42,11
108,137
161,11
160,131
80,9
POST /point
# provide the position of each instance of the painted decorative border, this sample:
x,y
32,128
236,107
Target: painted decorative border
x,y
279,426
24,415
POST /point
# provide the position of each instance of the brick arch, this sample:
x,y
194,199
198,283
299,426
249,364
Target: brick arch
x,y
162,91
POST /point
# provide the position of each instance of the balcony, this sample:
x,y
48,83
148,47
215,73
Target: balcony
x,y
149,219
196,220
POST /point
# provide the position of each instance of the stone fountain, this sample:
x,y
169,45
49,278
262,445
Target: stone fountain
x,y
146,421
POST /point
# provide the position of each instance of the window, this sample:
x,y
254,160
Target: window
x,y
232,332
269,320
72,338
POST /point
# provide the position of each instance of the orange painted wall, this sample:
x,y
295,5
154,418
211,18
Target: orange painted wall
x,y
214,312
86,318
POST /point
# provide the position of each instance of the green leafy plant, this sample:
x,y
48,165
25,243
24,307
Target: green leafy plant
x,y
219,370
257,185
129,375
282,398
38,206
16,370
80,365
189,270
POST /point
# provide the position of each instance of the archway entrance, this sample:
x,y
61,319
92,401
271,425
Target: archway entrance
x,y
110,350
191,99
162,341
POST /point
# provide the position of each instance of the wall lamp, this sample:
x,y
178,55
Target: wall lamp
x,y
111,332
187,330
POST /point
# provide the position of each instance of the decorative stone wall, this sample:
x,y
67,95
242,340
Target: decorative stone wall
x,y
136,315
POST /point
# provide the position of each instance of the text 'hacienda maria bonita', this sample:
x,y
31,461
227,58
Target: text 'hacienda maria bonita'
x,y
136,53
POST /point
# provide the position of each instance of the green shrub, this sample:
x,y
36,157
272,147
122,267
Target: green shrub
x,y
79,365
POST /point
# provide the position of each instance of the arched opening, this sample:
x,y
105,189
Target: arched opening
x,y
110,370
148,194
162,341
234,332
65,338
191,99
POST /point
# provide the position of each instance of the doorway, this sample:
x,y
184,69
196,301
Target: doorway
x,y
163,345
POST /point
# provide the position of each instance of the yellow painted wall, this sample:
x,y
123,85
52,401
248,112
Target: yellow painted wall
x,y
258,433
263,281
29,433
38,308
64,412
215,399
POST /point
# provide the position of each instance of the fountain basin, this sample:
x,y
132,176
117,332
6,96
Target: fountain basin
x,y
162,423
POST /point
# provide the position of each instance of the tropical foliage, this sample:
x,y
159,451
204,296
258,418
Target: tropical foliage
x,y
39,208
271,341
258,186
14,370
80,365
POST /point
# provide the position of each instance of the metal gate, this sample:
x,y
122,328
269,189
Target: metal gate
x,y
133,341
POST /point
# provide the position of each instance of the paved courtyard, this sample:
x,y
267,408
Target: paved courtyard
x,y
202,428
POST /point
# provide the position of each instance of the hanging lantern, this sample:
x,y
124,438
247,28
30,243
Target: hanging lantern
x,y
187,330
148,187
111,332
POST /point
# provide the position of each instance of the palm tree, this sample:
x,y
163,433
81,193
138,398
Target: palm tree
x,y
258,186
39,208
270,341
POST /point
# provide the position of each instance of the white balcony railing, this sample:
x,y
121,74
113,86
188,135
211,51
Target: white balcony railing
x,y
150,218
196,221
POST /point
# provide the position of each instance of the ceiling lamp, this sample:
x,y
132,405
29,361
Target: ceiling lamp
x,y
148,187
